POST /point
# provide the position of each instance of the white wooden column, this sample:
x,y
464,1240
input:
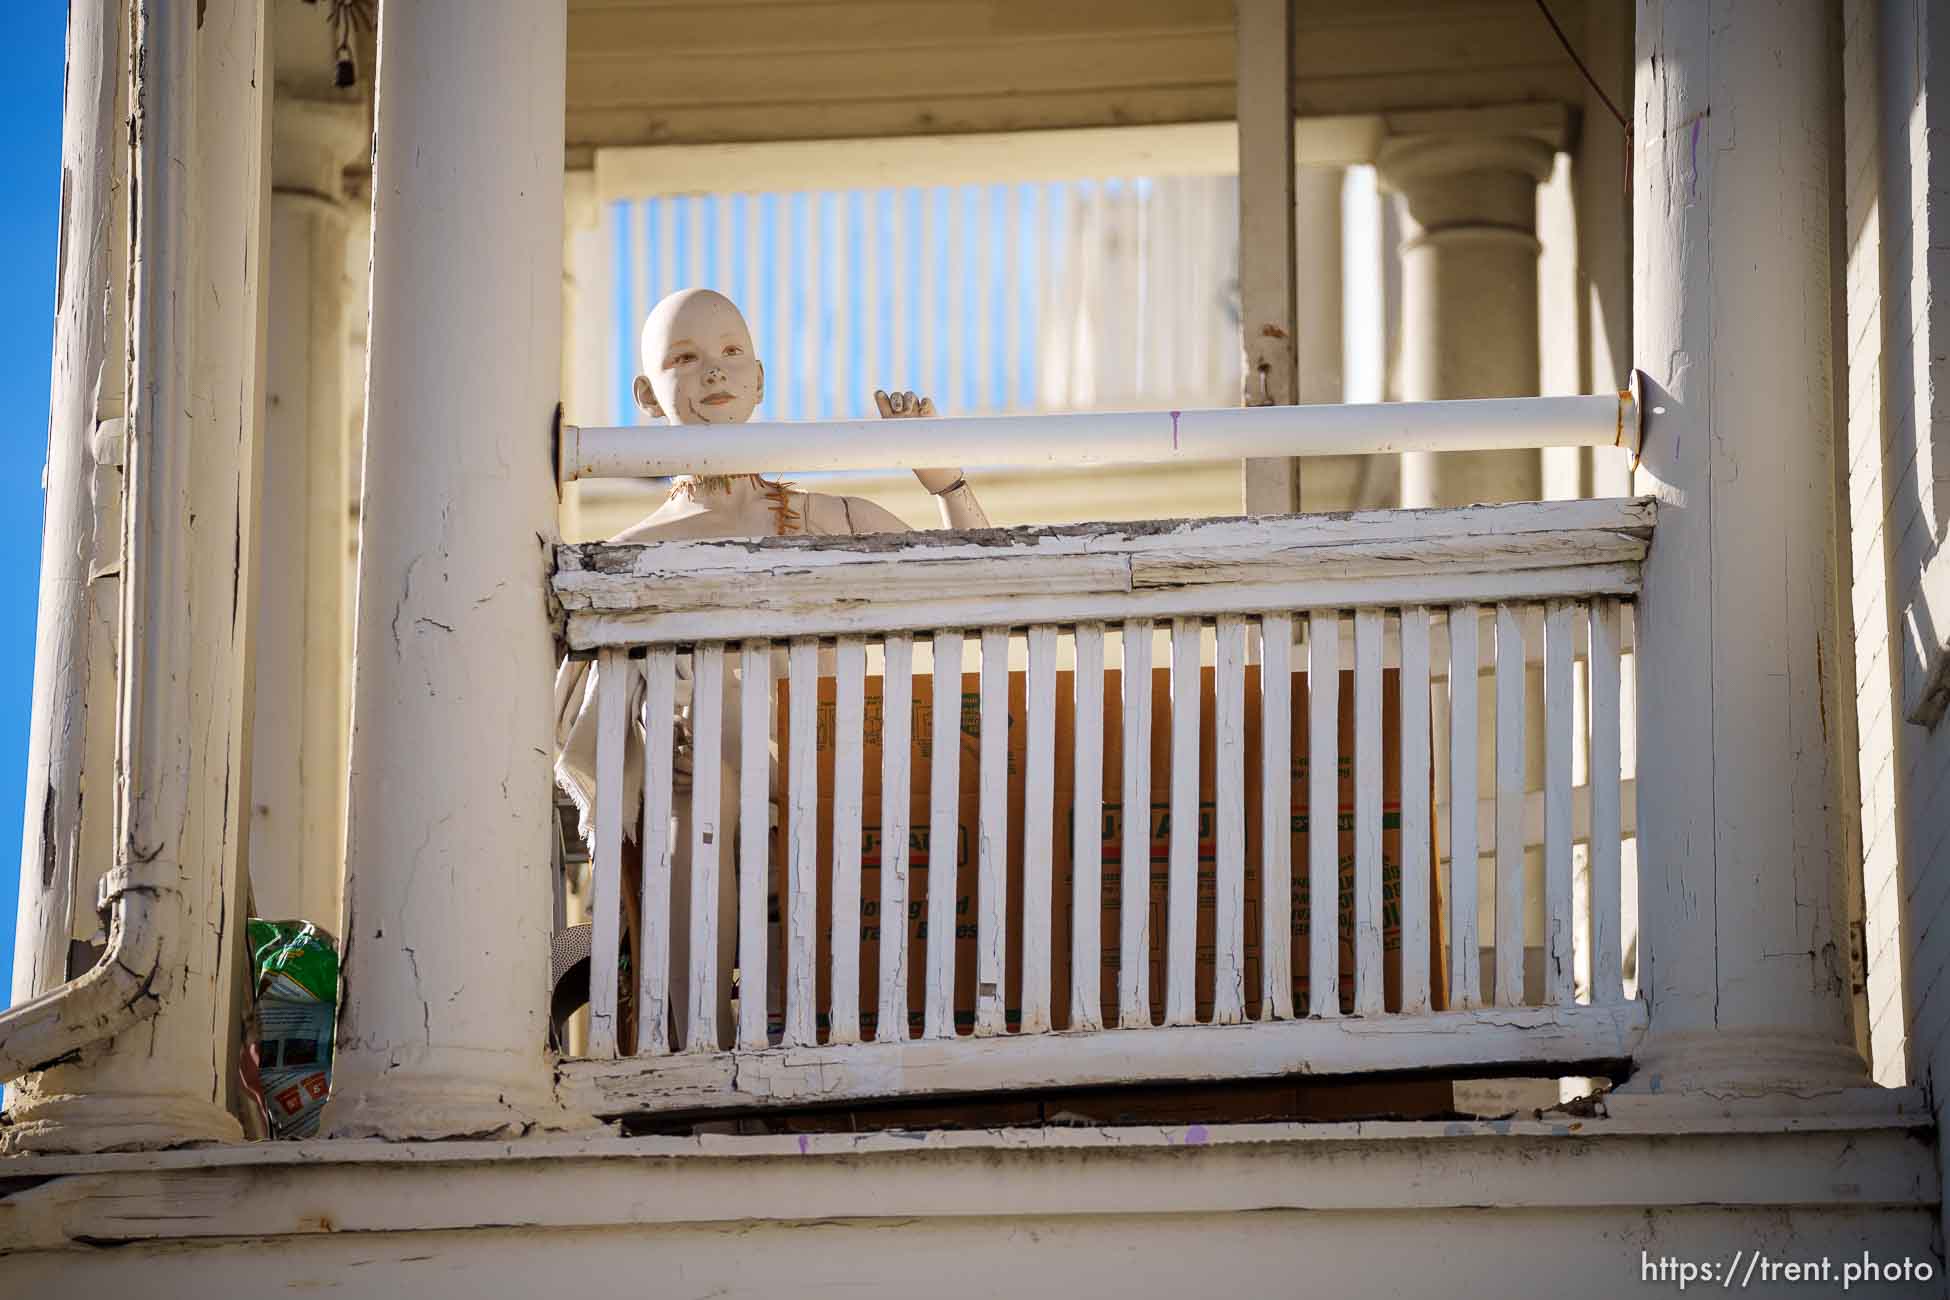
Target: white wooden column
x,y
1741,955
86,395
195,346
1266,240
303,677
443,1019
1469,295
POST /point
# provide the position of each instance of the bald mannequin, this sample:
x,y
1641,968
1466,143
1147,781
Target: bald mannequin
x,y
700,369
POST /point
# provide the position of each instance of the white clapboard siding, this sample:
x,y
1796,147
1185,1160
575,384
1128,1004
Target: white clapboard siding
x,y
1607,983
1181,906
1276,816
1087,840
1134,915
802,846
1367,813
849,729
1229,868
707,708
612,686
1560,957
992,838
1038,828
659,774
897,718
1509,806
1465,972
754,836
1323,812
1415,743
944,813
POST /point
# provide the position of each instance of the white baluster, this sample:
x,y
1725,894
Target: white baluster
x,y
1181,908
1465,964
1087,837
1509,805
896,725
802,847
1415,809
754,838
613,673
1134,920
1323,813
1276,816
1229,867
1560,958
659,724
992,837
707,749
849,717
1607,981
1038,820
944,817
1368,983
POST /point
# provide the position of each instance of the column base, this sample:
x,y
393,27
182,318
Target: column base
x,y
1744,1064
76,1123
407,1103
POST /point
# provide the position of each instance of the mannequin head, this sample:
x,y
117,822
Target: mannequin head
x,y
698,366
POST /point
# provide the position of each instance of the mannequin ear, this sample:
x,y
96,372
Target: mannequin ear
x,y
646,397
761,383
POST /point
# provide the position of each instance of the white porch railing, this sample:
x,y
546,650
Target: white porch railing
x,y
1065,983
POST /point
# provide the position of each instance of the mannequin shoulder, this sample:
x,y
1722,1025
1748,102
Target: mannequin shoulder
x,y
837,516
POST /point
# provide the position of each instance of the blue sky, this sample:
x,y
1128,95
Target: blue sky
x,y
30,200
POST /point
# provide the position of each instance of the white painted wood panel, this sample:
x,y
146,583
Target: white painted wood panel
x,y
707,749
1134,881
1415,808
800,906
1181,896
1276,816
1087,840
1465,971
1323,812
1607,984
659,725
944,813
1560,957
992,838
1509,807
849,721
896,735
754,839
1038,824
1367,812
612,685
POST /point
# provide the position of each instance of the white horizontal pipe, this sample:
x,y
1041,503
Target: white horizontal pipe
x,y
1100,438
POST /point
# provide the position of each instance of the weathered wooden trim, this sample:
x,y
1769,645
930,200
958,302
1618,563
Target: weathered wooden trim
x,y
1568,1038
619,595
1640,1155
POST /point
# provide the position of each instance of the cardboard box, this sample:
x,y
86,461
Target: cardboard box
x,y
921,850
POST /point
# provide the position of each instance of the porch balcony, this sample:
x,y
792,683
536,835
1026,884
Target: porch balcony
x,y
1013,693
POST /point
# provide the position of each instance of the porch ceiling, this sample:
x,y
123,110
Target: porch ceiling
x,y
689,71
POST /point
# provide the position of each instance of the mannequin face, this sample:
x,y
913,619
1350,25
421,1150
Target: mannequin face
x,y
697,361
